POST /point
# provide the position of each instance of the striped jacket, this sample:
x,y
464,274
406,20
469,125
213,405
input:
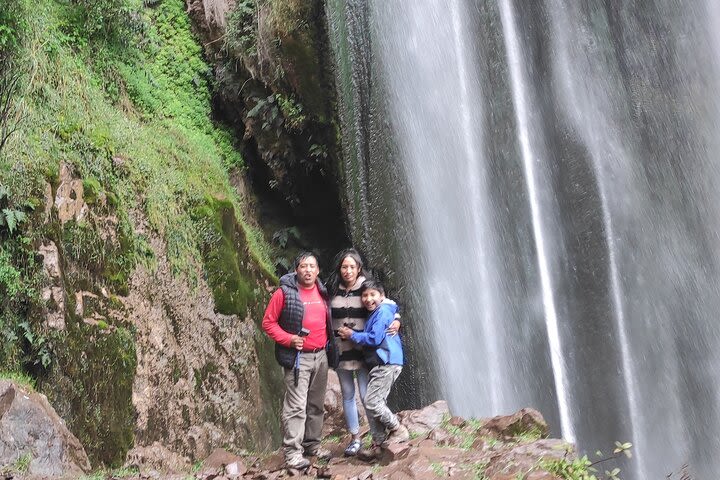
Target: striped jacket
x,y
347,310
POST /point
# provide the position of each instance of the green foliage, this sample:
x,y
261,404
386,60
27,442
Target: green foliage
x,y
129,113
232,290
292,111
570,469
100,367
111,474
18,468
10,282
13,25
526,436
241,31
583,468
111,21
19,378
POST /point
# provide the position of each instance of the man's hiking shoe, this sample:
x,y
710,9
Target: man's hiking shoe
x,y
399,435
298,463
370,454
353,448
319,452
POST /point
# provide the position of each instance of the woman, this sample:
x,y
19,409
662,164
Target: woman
x,y
348,311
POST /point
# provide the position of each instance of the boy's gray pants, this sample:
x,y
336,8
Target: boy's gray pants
x,y
380,417
304,405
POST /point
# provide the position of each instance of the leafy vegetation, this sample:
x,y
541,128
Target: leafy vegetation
x,y
115,93
20,379
582,468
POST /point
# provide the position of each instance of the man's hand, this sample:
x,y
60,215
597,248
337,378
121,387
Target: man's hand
x,y
297,342
393,328
345,332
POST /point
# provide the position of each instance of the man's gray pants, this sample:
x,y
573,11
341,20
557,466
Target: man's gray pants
x,y
380,417
303,407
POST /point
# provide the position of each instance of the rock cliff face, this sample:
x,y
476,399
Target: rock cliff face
x,y
157,362
198,380
274,85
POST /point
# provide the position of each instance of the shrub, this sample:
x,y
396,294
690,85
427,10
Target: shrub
x,y
112,21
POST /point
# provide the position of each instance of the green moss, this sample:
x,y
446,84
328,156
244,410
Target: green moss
x,y
134,124
91,190
204,376
223,243
19,378
92,389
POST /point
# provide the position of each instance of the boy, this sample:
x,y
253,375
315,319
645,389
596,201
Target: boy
x,y
384,355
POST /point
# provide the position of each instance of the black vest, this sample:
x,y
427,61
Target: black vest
x,y
291,321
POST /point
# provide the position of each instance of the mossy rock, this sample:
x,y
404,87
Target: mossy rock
x,y
223,242
91,387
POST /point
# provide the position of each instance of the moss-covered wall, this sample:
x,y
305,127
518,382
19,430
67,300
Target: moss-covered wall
x,y
274,84
115,100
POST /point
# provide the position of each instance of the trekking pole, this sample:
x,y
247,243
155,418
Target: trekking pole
x,y
304,332
296,370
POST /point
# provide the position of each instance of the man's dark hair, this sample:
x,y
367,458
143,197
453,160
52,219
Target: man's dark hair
x,y
302,256
372,285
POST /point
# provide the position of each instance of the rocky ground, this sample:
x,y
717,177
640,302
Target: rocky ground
x,y
503,448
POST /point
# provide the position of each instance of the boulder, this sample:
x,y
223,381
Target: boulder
x,y
426,419
223,462
156,458
31,432
527,420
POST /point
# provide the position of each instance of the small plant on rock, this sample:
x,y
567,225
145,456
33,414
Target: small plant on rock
x,y
10,218
583,468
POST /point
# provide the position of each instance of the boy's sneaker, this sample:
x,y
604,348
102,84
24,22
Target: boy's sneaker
x,y
399,435
319,452
298,463
370,454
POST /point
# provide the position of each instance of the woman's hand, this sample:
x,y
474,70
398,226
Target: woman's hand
x,y
393,328
345,333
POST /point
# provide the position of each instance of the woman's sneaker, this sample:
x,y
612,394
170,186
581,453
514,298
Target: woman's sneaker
x,y
353,448
399,435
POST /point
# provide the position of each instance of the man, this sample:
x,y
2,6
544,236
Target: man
x,y
298,320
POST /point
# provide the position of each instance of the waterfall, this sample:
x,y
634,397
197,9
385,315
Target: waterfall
x,y
516,61
540,181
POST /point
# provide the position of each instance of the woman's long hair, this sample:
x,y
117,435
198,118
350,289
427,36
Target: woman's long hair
x,y
335,279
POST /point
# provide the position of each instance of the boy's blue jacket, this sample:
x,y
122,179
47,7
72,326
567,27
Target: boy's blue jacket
x,y
389,347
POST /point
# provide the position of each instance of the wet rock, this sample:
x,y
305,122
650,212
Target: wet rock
x,y
426,419
69,197
49,202
527,420
197,382
156,458
30,429
53,294
223,462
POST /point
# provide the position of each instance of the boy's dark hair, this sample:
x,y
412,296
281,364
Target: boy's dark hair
x,y
372,285
302,256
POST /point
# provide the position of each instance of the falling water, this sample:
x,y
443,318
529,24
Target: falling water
x,y
540,180
516,61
